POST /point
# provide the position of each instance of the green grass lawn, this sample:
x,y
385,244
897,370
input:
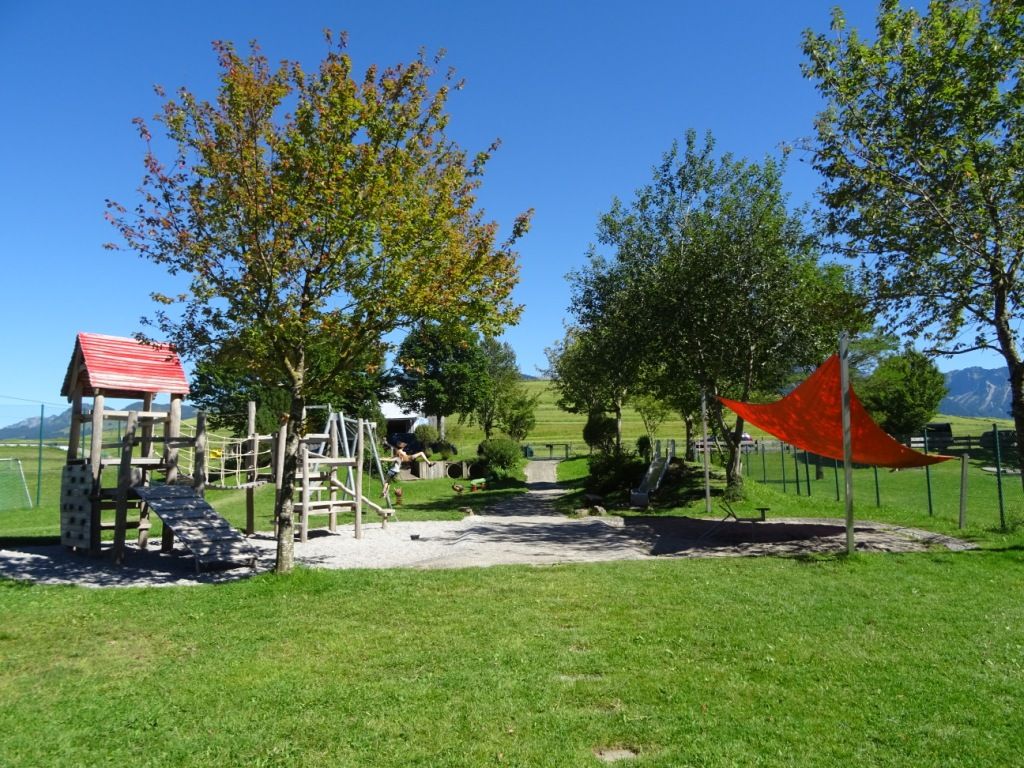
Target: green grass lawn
x,y
880,660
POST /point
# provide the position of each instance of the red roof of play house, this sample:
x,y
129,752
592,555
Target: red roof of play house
x,y
811,417
123,367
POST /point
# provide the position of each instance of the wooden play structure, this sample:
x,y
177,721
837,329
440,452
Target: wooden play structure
x,y
342,448
139,477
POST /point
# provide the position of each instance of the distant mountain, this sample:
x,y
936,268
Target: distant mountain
x,y
60,425
977,392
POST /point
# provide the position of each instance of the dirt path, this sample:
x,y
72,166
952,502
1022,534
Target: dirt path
x,y
524,529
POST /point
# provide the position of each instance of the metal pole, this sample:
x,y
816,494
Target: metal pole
x,y
999,477
39,462
963,490
764,465
878,495
927,473
844,383
782,453
796,470
835,465
706,451
807,472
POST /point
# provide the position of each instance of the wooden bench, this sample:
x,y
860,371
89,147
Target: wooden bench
x,y
731,513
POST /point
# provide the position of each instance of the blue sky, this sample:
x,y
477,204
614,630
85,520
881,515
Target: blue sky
x,y
585,97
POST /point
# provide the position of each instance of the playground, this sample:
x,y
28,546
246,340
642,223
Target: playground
x,y
524,529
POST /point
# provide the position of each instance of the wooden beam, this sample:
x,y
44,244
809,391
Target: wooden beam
x,y
124,483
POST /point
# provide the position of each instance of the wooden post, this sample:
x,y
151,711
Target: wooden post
x,y
173,430
359,479
332,471
76,424
124,483
199,471
96,464
147,426
250,492
963,490
844,384
304,514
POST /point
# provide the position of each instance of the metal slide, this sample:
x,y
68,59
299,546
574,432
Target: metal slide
x,y
641,497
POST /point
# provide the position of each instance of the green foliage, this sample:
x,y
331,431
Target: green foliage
x,y
500,454
441,370
223,384
903,393
652,410
517,413
644,447
599,432
499,385
305,206
921,145
723,283
614,472
426,434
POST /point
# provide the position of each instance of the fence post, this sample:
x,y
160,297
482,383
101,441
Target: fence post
x,y
807,472
999,477
782,453
39,461
963,490
927,471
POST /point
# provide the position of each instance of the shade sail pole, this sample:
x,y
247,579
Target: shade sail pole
x,y
844,383
705,451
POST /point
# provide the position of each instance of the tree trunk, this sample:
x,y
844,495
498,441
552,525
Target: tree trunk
x,y
286,502
689,453
1017,408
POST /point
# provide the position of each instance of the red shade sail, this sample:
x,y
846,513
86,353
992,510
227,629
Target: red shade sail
x,y
811,417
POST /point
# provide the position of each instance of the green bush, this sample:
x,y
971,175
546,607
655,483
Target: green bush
x,y
644,447
499,454
444,448
614,472
426,434
599,432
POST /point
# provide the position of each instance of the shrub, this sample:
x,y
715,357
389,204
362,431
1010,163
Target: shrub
x,y
599,432
499,454
426,434
644,447
444,448
614,471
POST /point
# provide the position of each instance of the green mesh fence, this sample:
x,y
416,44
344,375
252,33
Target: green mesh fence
x,y
14,493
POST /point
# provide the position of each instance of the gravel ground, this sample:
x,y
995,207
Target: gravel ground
x,y
520,530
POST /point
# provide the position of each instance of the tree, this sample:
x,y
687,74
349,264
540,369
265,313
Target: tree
x,y
302,206
921,146
223,383
500,384
723,281
442,369
903,393
517,412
